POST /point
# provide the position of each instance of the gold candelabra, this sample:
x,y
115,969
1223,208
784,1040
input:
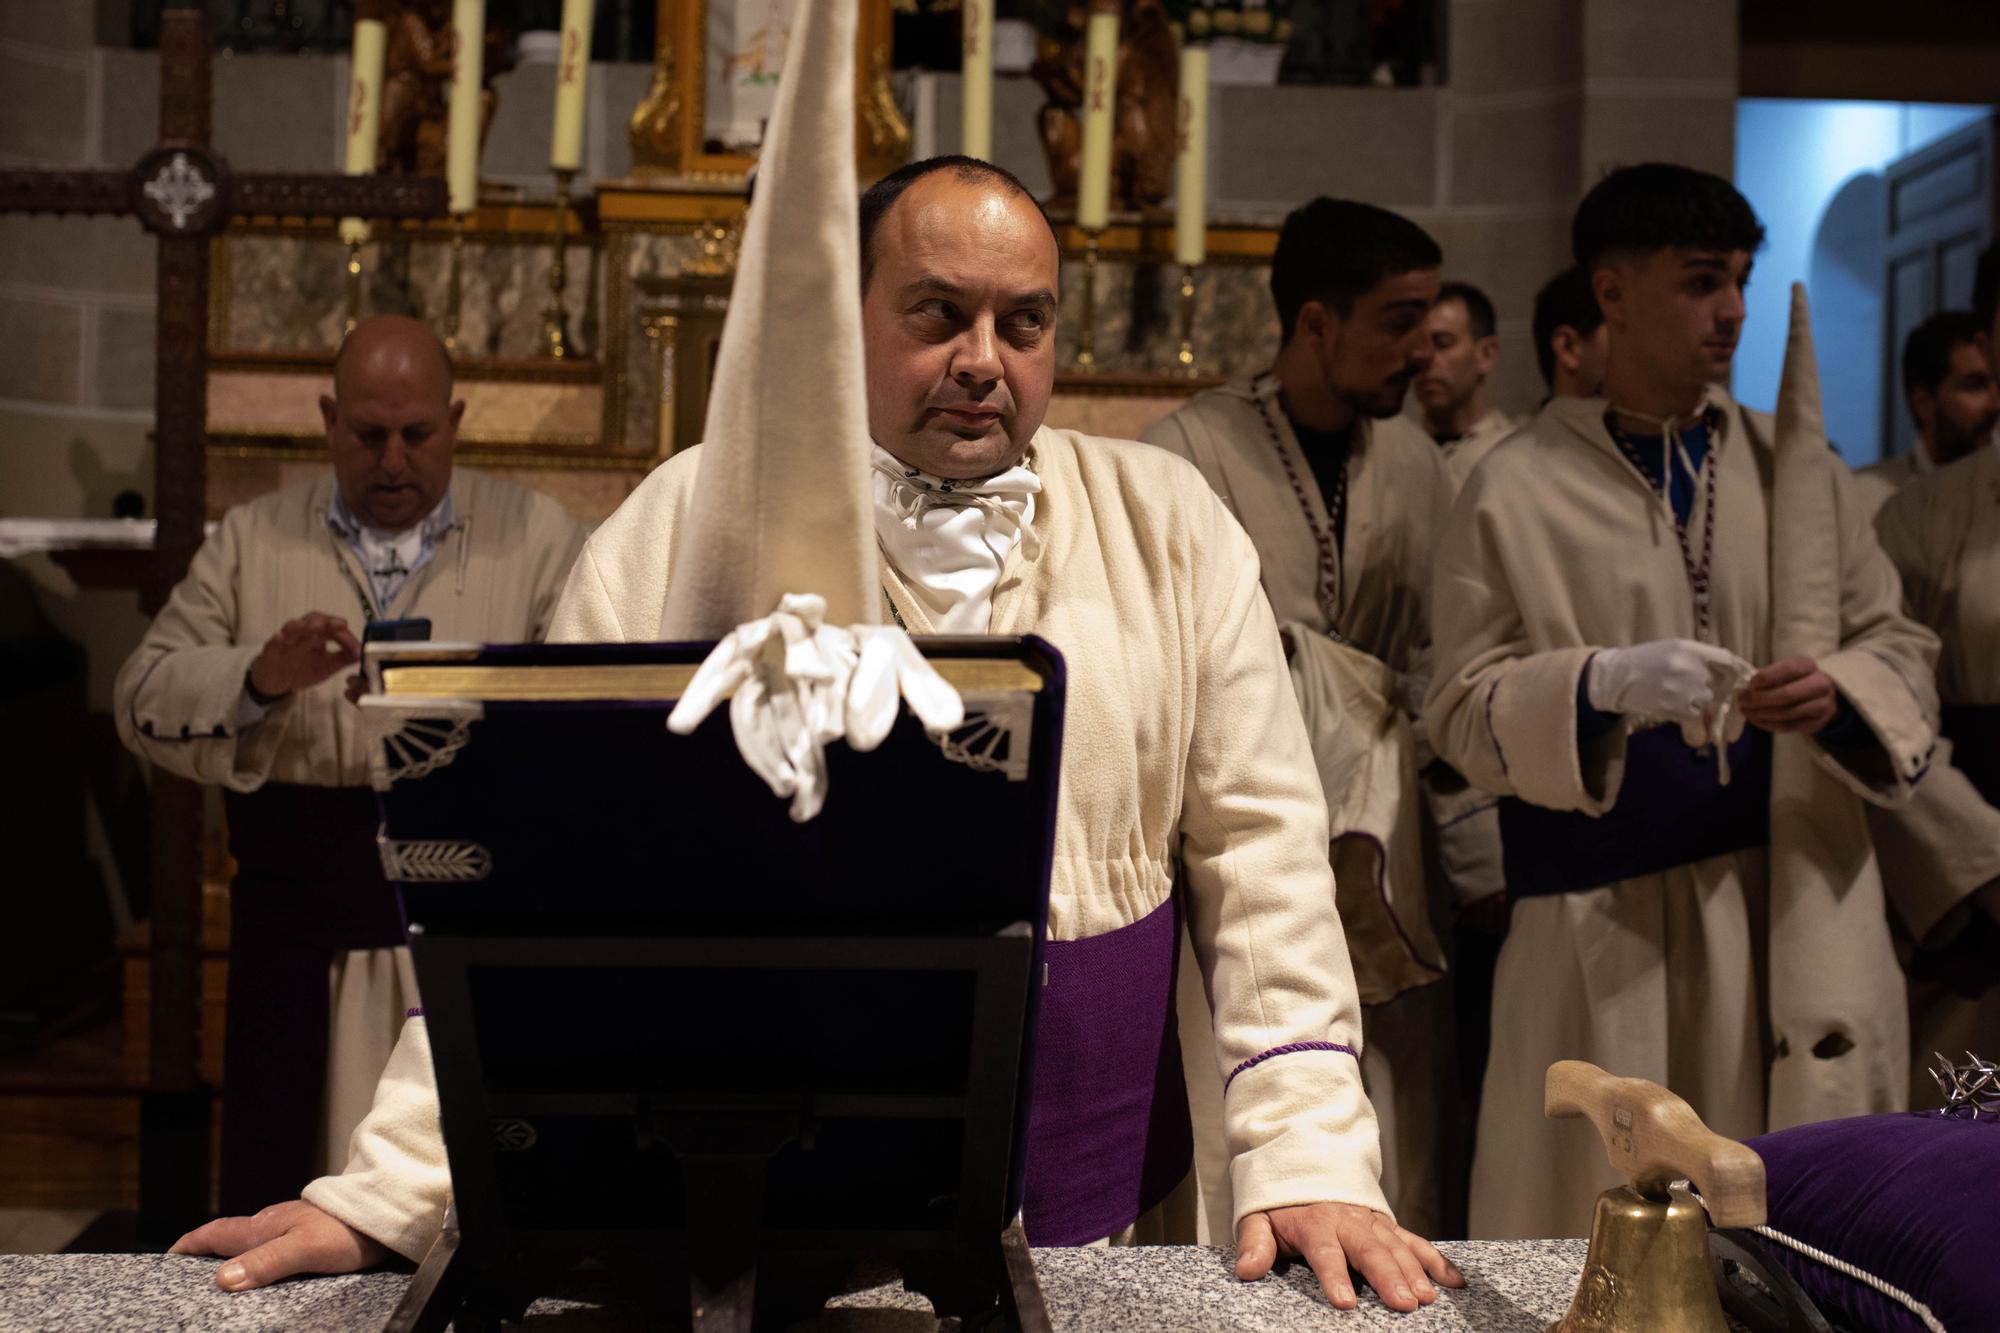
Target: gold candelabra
x,y
554,339
353,285
1086,333
453,290
1184,359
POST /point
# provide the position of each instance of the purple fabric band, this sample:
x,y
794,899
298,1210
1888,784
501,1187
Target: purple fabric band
x,y
1291,1048
417,1012
1672,810
1108,1134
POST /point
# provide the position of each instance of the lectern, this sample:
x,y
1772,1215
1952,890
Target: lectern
x,y
730,1057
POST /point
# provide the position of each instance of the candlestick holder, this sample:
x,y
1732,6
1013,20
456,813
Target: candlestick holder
x,y
1184,359
453,291
353,286
1086,333
555,340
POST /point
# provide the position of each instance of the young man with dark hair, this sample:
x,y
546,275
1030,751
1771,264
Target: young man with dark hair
x,y
1952,396
1608,595
1942,529
1570,337
1342,497
1465,346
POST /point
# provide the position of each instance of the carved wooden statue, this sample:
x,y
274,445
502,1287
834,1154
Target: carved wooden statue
x,y
1144,120
417,67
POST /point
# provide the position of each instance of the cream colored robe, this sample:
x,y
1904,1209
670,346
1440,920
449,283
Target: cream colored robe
x,y
1719,978
1463,454
1943,531
1876,483
1398,492
494,577
1182,751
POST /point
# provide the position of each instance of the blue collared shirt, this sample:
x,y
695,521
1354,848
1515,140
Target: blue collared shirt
x,y
391,560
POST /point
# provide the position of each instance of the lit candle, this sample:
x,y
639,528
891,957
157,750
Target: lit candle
x,y
468,26
1191,167
566,154
1100,94
364,112
977,80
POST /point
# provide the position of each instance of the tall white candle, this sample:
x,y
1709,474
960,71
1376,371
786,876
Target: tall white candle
x,y
1100,97
566,153
468,26
1191,167
364,112
977,80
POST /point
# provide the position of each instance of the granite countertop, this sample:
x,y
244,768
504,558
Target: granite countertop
x,y
1515,1287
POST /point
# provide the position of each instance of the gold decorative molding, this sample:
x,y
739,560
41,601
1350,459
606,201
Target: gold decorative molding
x,y
655,128
882,136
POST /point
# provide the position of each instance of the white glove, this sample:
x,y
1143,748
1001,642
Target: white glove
x,y
796,683
1668,680
892,668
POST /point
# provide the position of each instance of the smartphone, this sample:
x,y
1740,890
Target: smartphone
x,y
417,629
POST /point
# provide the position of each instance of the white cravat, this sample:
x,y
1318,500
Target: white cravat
x,y
949,539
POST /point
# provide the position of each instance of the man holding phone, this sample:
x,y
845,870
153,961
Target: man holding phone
x,y
240,683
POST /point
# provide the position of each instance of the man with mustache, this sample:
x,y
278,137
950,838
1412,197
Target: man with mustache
x,y
1341,496
240,682
1184,760
1608,592
1953,399
1942,528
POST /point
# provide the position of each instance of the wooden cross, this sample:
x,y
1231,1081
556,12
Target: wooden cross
x,y
185,193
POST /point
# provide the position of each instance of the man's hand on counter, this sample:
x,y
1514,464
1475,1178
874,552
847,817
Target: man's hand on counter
x,y
278,1242
1404,1268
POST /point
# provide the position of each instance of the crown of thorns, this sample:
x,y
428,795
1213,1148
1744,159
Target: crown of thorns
x,y
1971,1090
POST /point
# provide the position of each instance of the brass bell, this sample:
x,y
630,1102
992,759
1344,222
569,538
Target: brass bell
x,y
1648,1270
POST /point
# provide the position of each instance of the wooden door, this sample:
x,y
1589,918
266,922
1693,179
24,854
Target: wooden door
x,y
1939,210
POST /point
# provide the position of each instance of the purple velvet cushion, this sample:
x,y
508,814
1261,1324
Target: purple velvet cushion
x,y
1908,1198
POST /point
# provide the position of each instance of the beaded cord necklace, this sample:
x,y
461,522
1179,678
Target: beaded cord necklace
x,y
1324,537
1700,583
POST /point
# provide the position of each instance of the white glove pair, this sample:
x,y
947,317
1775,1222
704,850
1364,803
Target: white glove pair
x,y
1672,680
798,683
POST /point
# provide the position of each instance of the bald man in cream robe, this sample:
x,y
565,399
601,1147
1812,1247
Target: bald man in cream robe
x,y
1641,886
319,984
1942,529
1397,494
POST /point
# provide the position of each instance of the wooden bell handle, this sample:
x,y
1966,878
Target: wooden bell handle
x,y
1655,1138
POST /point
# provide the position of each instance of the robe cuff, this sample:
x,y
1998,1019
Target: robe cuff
x,y
188,715
1883,769
1531,717
1937,850
1312,1134
397,1180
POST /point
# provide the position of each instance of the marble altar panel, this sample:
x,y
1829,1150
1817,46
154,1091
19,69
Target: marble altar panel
x,y
286,404
287,292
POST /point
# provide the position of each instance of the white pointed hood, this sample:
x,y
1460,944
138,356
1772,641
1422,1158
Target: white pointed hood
x,y
782,503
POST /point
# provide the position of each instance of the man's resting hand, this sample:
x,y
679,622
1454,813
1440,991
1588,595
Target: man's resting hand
x,y
1402,1266
279,1242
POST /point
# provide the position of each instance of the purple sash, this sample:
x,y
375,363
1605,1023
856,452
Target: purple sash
x,y
1672,810
1109,1134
